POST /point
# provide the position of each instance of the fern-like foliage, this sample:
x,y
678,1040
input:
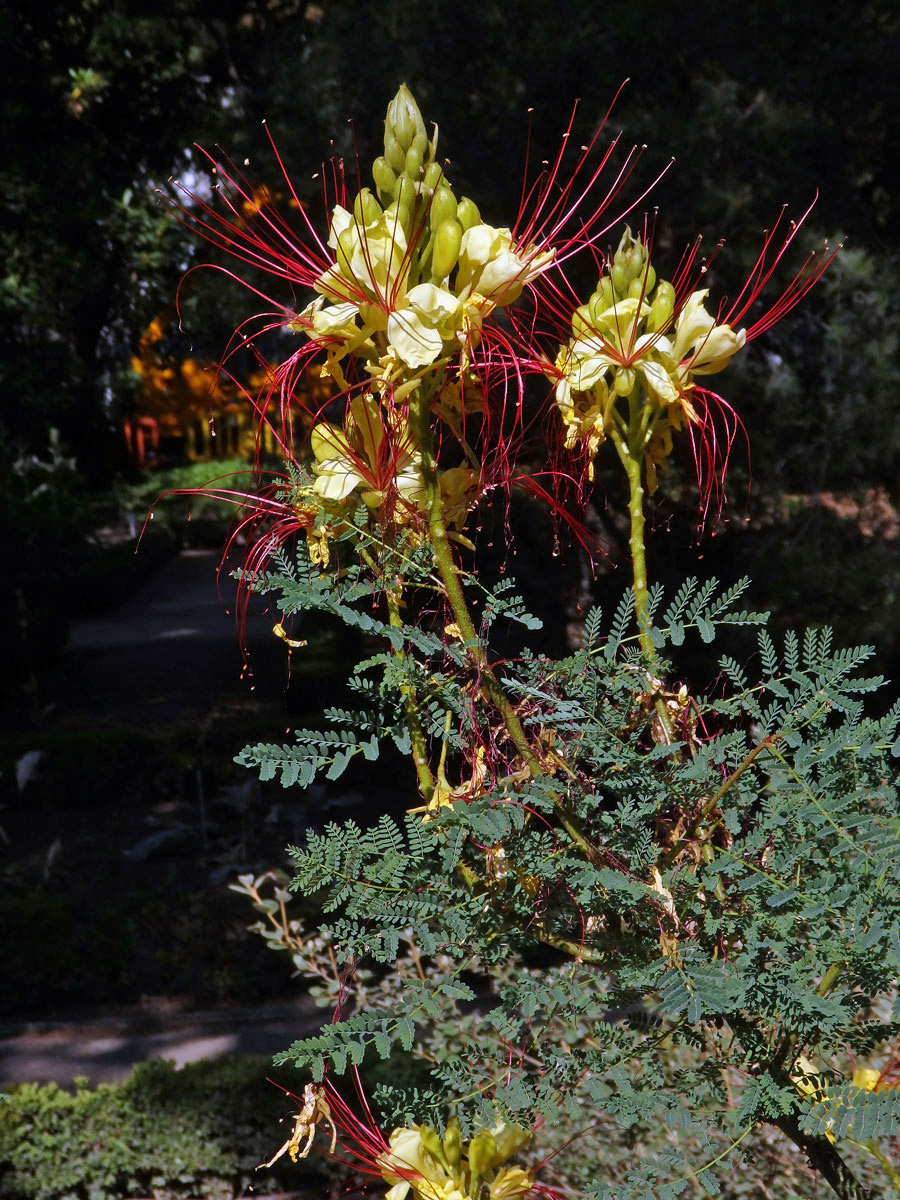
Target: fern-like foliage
x,y
735,867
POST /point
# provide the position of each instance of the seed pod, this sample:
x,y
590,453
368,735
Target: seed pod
x,y
384,176
447,239
662,307
467,213
443,207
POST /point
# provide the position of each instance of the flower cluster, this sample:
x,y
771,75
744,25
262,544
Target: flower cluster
x,y
415,271
436,1168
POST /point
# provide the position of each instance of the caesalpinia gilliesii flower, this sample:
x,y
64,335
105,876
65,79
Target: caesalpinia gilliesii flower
x,y
415,271
415,1159
642,342
374,456
436,1168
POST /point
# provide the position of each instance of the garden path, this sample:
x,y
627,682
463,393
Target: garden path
x,y
168,658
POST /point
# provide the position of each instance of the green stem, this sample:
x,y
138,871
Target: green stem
x,y
420,427
411,710
875,1150
632,460
629,442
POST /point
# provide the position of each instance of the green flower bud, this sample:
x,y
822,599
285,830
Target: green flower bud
x,y
603,297
624,384
413,166
343,254
446,248
366,208
404,216
433,175
431,1140
482,1151
636,288
467,213
582,320
453,1144
405,191
404,122
394,152
420,141
628,262
635,260
384,176
443,207
650,275
662,307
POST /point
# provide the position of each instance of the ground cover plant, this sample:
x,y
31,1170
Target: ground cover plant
x,y
631,906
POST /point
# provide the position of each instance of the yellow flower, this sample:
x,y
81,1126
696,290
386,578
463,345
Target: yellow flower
x,y
371,261
490,267
429,319
357,456
701,346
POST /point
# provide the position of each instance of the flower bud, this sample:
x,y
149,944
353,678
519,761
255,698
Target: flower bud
x,y
433,175
624,384
404,216
405,191
343,256
603,298
431,1140
582,320
453,1144
482,1152
446,248
404,123
443,206
366,208
628,262
467,213
384,176
662,307
394,153
635,260
413,166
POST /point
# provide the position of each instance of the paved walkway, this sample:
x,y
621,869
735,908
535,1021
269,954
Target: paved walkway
x,y
168,656
106,1050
